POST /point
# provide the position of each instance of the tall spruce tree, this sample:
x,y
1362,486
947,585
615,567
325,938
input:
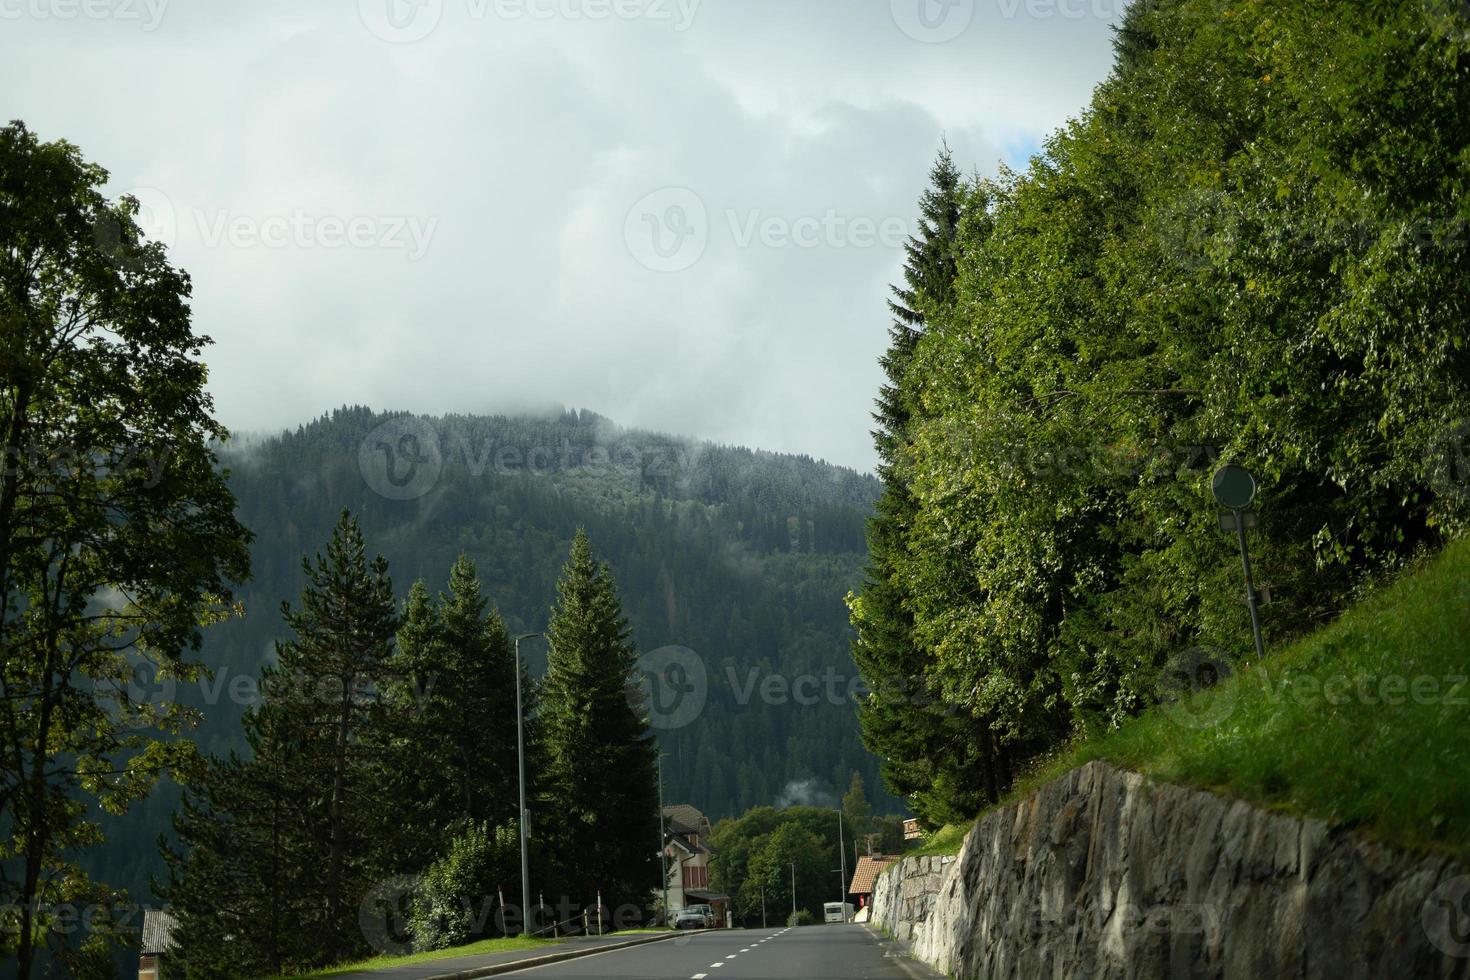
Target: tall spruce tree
x,y
600,755
416,765
324,689
240,882
481,725
287,845
452,755
939,759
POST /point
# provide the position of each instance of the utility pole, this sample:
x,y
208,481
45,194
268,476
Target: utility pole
x,y
763,906
842,870
793,893
521,767
663,857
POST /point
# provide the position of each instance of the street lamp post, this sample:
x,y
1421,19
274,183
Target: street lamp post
x,y
521,767
663,857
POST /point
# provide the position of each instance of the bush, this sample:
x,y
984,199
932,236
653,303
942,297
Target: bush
x,y
459,891
801,918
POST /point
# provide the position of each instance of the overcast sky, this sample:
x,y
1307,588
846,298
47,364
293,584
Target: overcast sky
x,y
682,214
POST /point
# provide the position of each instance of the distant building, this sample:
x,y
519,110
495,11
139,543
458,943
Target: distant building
x,y
157,940
911,829
687,855
864,875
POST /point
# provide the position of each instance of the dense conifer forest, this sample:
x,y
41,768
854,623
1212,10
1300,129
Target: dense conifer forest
x,y
742,557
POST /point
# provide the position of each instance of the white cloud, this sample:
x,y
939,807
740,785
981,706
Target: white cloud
x,y
288,139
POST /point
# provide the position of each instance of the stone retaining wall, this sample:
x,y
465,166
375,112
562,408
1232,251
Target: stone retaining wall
x,y
1102,873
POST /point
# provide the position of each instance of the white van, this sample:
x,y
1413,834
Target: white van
x,y
838,911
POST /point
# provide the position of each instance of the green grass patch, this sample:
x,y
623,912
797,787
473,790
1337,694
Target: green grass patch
x,y
505,945
1363,723
944,841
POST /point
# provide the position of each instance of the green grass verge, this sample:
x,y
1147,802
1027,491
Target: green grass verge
x,y
508,944
1365,722
944,841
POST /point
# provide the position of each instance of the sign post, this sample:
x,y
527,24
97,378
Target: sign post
x,y
1235,488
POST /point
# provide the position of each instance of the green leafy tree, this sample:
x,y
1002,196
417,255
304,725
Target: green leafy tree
x,y
793,849
458,897
943,761
752,861
118,540
1236,253
599,754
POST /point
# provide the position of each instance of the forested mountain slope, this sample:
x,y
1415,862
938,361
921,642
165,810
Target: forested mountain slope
x,y
742,557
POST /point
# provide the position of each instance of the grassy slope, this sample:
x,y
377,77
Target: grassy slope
x,y
1365,722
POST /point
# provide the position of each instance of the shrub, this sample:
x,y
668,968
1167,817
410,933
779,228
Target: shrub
x,y
458,893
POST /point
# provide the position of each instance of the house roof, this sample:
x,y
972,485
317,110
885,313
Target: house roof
x,y
686,819
687,828
158,927
867,869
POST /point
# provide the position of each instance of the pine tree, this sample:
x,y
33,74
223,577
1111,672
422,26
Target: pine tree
x,y
600,756
937,759
279,851
452,757
240,883
324,688
481,722
416,765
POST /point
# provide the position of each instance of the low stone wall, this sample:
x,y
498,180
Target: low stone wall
x,y
1102,873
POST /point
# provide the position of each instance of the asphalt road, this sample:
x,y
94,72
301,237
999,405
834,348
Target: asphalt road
x,y
810,953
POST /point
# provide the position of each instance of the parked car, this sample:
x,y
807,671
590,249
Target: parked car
x,y
691,918
709,914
